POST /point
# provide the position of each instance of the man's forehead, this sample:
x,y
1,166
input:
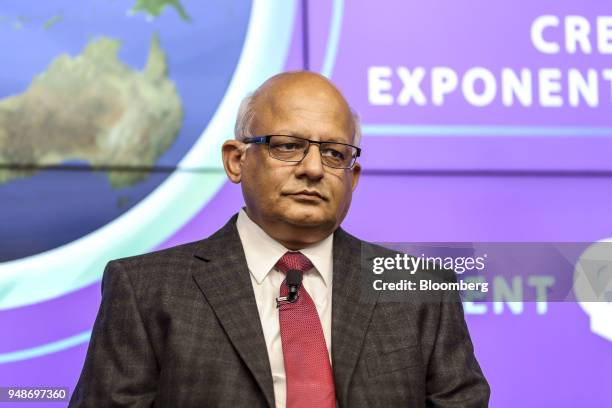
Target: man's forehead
x,y
303,120
301,100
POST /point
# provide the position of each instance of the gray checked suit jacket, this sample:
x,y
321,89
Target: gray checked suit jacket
x,y
180,328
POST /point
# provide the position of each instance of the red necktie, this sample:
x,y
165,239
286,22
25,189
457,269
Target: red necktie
x,y
310,380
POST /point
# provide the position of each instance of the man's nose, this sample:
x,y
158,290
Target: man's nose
x,y
311,165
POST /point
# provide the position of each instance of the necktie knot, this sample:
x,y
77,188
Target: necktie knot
x,y
294,261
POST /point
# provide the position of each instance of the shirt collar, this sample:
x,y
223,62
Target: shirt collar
x,y
262,251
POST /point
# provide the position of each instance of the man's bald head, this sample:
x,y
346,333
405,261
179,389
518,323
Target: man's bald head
x,y
276,91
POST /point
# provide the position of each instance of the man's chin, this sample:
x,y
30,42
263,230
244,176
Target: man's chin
x,y
308,219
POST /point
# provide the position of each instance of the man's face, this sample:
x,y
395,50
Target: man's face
x,y
306,194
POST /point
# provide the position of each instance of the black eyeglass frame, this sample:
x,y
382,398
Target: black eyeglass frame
x,y
266,140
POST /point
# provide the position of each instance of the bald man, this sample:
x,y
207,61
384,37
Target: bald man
x,y
267,311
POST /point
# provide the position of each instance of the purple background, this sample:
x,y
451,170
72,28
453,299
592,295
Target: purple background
x,y
420,189
427,189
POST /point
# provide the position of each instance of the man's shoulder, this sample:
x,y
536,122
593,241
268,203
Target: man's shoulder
x,y
366,248
370,250
160,256
174,259
344,238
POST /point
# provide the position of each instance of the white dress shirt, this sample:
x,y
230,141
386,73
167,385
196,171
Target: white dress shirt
x,y
262,252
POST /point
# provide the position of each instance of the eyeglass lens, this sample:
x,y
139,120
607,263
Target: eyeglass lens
x,y
293,149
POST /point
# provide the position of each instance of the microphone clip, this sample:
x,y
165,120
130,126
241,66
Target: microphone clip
x,y
282,300
293,281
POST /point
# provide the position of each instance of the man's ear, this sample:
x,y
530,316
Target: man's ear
x,y
356,173
233,152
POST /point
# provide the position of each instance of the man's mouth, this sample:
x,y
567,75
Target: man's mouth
x,y
308,194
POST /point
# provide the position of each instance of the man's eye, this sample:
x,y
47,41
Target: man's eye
x,y
287,146
333,153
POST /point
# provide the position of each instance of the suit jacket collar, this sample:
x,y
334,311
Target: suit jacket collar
x,y
223,277
351,310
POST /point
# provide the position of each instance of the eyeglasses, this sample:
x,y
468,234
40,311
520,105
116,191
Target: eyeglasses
x,y
294,149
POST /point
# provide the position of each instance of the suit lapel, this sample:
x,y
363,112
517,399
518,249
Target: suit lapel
x,y
351,312
222,275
